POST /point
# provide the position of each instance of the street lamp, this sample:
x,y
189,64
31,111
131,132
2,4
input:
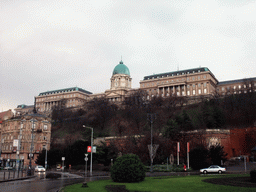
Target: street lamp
x,y
86,159
91,148
18,162
45,124
32,144
151,117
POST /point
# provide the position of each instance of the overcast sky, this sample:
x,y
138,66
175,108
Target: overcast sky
x,y
49,44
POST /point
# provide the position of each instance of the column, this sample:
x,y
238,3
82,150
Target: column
x,y
185,90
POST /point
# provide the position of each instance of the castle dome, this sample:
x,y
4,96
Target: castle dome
x,y
121,69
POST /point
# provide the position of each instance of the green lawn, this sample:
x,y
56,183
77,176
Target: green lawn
x,y
156,184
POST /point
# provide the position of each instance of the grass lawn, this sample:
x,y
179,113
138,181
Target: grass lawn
x,y
162,184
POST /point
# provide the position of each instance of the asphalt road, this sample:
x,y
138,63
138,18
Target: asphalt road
x,y
40,184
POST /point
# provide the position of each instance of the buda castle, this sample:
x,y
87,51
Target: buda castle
x,y
191,83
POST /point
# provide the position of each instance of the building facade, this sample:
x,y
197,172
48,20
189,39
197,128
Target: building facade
x,y
24,109
191,83
22,137
73,97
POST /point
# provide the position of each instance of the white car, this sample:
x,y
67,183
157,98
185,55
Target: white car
x,y
213,169
8,168
39,168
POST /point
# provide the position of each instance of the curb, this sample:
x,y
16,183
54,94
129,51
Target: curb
x,y
17,179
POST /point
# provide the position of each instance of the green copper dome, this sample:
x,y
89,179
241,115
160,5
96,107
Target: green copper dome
x,y
121,69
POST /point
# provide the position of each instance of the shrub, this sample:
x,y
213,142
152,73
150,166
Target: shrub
x,y
253,175
128,168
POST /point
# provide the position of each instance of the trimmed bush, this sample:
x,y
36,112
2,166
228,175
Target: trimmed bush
x,y
253,175
128,168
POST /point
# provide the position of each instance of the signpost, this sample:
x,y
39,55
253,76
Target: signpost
x,y
86,159
63,159
178,153
89,149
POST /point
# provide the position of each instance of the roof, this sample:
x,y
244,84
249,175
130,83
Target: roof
x,y
237,81
6,115
35,115
176,73
121,68
64,90
25,106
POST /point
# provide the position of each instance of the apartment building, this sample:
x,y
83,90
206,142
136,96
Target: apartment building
x,y
22,137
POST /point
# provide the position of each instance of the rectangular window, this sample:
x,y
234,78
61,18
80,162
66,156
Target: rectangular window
x,y
205,91
45,127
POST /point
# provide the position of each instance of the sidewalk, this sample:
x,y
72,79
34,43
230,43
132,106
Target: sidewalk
x,y
12,175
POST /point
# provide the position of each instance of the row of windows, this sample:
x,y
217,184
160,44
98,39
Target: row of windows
x,y
237,87
28,137
10,147
65,91
183,93
56,97
23,126
163,82
174,74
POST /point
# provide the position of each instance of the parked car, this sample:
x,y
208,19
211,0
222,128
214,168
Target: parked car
x,y
8,168
39,168
213,169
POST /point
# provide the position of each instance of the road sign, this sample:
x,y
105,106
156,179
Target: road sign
x,y
86,158
15,142
94,149
89,149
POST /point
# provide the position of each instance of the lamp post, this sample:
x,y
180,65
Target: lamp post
x,y
32,144
151,117
46,156
18,162
86,159
45,129
91,147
